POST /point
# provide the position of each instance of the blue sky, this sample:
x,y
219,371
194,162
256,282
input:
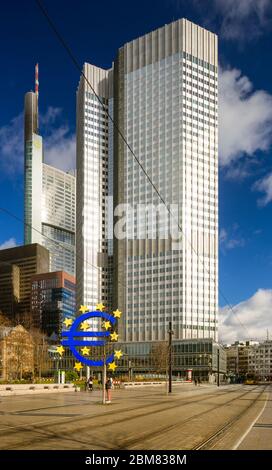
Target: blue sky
x,y
94,30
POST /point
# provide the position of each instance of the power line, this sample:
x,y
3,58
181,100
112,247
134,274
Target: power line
x,y
115,125
6,211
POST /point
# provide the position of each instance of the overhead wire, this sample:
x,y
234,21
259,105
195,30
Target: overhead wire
x,y
120,133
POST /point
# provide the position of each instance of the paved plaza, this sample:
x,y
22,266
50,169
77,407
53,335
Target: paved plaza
x,y
204,417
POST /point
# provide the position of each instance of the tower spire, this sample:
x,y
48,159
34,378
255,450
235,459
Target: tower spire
x,y
37,80
37,91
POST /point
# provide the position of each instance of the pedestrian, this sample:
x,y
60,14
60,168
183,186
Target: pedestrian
x,y
108,389
90,384
199,381
195,381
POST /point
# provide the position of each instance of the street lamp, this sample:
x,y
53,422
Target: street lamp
x,y
130,371
170,332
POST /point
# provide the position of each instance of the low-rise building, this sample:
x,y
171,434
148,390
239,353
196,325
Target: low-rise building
x,y
52,300
249,357
17,266
260,361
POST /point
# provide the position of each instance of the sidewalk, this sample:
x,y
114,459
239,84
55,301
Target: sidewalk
x,y
259,435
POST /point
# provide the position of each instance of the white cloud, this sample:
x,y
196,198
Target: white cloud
x,y
243,19
238,20
264,185
230,241
11,146
50,116
59,144
245,118
254,313
223,235
60,149
10,243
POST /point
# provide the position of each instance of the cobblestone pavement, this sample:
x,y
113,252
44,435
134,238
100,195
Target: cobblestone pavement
x,y
145,418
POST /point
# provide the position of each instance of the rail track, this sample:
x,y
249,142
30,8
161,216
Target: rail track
x,y
146,435
48,430
210,441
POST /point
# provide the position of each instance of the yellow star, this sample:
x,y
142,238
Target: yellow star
x,y
112,366
78,366
106,325
84,326
114,336
117,313
60,350
83,309
118,354
100,307
85,351
68,322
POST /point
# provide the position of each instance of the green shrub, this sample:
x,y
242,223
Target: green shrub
x,y
71,376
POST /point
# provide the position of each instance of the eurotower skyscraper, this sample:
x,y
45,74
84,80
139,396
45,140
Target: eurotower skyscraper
x,y
49,195
94,184
164,104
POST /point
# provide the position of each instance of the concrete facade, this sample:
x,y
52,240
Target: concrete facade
x,y
27,261
165,105
92,186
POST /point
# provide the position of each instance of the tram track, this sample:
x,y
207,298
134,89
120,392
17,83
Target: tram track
x,y
213,438
127,444
47,433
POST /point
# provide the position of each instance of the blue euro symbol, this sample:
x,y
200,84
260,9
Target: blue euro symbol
x,y
73,337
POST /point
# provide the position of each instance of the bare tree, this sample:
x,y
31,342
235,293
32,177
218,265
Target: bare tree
x,y
4,320
40,351
19,348
25,319
160,357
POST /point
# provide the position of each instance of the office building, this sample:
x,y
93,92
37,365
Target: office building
x,y
93,166
49,198
162,93
260,361
53,297
250,357
9,289
237,358
17,266
59,218
166,107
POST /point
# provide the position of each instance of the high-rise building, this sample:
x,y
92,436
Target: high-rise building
x,y
164,103
50,196
92,186
17,266
59,217
53,298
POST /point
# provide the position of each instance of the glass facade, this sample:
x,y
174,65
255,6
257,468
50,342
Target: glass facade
x,y
49,198
198,355
53,298
167,109
59,218
92,188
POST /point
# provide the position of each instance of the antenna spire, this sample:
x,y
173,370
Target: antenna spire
x,y
37,92
37,80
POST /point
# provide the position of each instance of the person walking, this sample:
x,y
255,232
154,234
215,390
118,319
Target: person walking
x,y
90,384
108,389
195,381
199,381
